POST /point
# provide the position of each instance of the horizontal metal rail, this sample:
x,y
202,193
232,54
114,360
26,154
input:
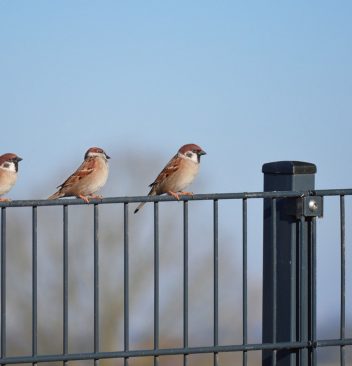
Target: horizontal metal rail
x,y
196,197
174,351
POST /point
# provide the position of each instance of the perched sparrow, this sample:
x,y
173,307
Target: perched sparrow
x,y
8,172
88,178
177,174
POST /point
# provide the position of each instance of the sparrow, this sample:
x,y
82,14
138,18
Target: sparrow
x,y
179,173
8,173
88,178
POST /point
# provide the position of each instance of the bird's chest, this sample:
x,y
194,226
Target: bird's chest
x,y
92,182
7,180
98,179
184,177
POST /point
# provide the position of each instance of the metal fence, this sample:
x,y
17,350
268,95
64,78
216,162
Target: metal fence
x,y
291,207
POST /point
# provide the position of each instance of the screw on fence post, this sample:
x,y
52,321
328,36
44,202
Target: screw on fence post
x,y
287,291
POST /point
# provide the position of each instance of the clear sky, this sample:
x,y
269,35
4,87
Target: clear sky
x,y
250,82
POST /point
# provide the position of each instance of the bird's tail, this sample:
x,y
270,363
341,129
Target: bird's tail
x,y
151,193
56,195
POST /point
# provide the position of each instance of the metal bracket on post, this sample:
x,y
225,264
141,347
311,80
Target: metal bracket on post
x,y
307,206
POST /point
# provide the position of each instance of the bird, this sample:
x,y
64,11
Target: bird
x,y
178,173
8,173
88,178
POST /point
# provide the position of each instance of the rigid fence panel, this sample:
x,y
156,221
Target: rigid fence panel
x,y
302,344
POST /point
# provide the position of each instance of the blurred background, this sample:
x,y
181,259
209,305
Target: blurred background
x,y
250,82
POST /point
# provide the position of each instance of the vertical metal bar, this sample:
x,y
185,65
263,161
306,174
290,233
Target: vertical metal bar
x,y
274,272
3,282
343,280
34,283
244,279
303,291
314,290
126,282
216,279
65,281
293,293
156,281
185,280
96,282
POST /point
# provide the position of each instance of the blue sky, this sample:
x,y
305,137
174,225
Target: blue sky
x,y
250,82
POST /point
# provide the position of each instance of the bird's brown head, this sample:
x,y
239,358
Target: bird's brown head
x,y
96,151
192,151
10,161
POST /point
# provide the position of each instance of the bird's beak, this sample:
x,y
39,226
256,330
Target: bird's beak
x,y
107,156
201,152
18,159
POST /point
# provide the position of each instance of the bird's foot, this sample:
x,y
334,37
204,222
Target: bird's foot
x,y
84,198
98,197
174,194
186,193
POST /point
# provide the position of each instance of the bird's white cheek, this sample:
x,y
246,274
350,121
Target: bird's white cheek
x,y
195,158
9,166
190,156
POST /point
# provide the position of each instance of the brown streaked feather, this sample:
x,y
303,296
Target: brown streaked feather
x,y
171,167
86,168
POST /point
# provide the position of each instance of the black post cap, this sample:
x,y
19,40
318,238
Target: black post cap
x,y
289,168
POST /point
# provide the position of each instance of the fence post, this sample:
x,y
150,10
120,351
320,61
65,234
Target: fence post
x,y
287,283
